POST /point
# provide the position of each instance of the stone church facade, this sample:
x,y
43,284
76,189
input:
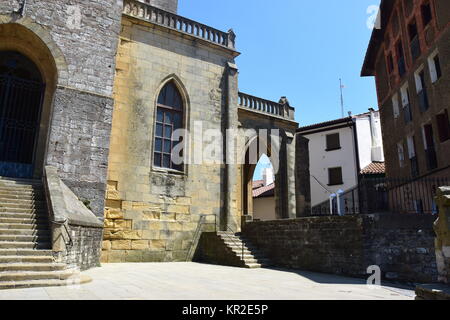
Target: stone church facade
x,y
118,78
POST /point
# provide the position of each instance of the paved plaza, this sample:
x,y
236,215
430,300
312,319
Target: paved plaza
x,y
194,281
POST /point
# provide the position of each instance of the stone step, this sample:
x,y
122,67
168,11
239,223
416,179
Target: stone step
x,y
24,245
16,191
16,215
23,202
37,275
25,252
27,197
20,180
39,220
4,226
18,205
26,259
239,245
21,210
46,266
76,280
25,232
257,261
254,266
15,186
25,238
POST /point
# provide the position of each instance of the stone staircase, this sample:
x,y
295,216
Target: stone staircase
x,y
250,257
26,258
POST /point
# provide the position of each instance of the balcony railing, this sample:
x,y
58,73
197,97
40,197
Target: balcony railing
x,y
431,158
170,20
250,102
423,100
407,114
415,48
401,66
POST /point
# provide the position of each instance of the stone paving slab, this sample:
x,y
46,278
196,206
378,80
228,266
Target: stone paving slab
x,y
193,281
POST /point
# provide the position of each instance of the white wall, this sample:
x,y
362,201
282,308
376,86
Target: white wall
x,y
264,208
320,160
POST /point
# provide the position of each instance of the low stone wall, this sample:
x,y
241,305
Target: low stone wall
x,y
85,250
402,245
76,232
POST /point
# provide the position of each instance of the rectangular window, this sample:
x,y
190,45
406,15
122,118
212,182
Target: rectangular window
x,y
395,106
414,40
400,58
427,16
421,90
411,147
443,125
407,114
333,142
401,154
434,65
428,141
412,156
335,176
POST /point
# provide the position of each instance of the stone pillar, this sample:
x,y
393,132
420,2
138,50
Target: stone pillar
x,y
290,176
302,176
231,123
442,229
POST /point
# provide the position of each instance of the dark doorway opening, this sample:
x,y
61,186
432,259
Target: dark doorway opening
x,y
21,97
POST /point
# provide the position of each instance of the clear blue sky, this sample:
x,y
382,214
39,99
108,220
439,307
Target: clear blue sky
x,y
298,49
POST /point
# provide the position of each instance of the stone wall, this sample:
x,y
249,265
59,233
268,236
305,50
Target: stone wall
x,y
402,245
81,38
151,214
85,250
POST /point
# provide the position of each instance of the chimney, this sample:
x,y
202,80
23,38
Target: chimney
x,y
268,176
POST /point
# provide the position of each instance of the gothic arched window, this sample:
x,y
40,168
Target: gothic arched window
x,y
169,117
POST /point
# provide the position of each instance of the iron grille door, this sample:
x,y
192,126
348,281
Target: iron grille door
x,y
20,111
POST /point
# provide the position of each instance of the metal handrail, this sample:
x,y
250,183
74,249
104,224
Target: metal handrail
x,y
197,231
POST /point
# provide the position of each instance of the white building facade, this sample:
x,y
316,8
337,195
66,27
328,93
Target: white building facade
x,y
340,150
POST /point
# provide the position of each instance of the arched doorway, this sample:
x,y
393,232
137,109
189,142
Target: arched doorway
x,y
21,98
257,151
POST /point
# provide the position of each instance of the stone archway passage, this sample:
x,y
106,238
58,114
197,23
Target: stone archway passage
x,y
21,98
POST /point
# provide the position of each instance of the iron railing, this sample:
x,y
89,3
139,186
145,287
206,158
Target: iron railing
x,y
20,110
197,234
391,195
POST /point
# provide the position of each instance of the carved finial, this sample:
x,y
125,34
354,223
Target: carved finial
x,y
231,39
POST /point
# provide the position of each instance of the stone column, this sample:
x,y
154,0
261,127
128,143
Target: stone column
x,y
302,176
231,123
290,176
442,229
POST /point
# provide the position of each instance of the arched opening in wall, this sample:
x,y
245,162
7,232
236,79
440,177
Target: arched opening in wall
x,y
21,95
263,190
27,83
260,193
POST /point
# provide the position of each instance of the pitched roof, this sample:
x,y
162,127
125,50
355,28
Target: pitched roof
x,y
265,191
325,124
258,184
374,168
368,69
